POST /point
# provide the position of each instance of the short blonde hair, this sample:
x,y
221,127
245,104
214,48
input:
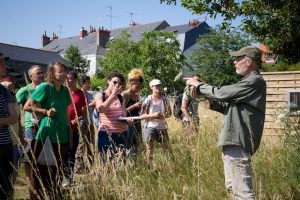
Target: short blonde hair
x,y
135,75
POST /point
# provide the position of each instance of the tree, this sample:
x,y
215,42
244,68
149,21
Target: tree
x,y
75,60
274,23
211,59
157,54
161,58
121,55
98,82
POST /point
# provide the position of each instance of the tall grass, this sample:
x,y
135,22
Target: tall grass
x,y
277,167
195,171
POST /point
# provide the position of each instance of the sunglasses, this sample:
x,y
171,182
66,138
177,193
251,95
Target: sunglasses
x,y
116,82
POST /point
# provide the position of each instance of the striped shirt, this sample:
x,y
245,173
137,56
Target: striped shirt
x,y
5,99
108,120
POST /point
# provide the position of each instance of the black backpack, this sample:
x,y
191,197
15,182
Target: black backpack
x,y
177,112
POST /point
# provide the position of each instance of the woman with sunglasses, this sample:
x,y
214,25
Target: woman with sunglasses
x,y
109,104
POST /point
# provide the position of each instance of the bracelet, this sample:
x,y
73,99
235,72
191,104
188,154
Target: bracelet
x,y
45,113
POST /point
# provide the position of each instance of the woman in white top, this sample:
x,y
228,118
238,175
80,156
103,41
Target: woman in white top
x,y
156,108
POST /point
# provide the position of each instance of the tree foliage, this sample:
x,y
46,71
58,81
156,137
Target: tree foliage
x,y
280,66
274,23
211,59
76,60
161,58
121,55
157,54
98,82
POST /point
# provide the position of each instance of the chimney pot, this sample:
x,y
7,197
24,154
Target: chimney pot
x,y
83,33
194,23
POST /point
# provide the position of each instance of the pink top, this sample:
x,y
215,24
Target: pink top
x,y
108,119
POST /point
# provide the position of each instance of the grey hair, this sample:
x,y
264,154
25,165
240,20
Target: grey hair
x,y
255,63
31,69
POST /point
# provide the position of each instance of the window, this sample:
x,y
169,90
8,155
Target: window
x,y
294,101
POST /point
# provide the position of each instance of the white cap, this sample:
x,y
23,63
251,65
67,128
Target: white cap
x,y
154,82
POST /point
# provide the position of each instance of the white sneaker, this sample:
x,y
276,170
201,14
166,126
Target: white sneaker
x,y
65,182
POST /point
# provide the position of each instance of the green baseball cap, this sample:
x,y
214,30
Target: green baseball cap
x,y
249,51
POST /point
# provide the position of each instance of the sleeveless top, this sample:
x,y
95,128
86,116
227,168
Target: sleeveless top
x,y
131,99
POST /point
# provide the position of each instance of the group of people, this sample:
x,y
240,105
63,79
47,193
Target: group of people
x,y
59,110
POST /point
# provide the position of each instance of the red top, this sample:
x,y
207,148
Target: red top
x,y
78,102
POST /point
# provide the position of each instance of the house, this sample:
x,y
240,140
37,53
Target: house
x,y
22,58
267,57
187,34
92,43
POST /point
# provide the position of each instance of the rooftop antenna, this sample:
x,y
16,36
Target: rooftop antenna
x,y
131,16
60,27
110,15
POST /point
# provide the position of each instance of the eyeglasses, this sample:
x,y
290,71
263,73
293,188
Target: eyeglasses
x,y
116,82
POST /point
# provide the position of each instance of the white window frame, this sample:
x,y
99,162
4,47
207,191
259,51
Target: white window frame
x,y
293,98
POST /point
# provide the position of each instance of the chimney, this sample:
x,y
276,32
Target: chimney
x,y
92,29
45,39
83,33
134,24
194,23
102,37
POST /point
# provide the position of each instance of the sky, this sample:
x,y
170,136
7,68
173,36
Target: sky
x,y
24,22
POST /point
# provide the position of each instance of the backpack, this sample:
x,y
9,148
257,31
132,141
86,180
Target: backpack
x,y
150,101
177,112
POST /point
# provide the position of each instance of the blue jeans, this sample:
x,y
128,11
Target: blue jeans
x,y
111,142
30,133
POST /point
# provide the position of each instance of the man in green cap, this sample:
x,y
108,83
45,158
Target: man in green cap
x,y
243,105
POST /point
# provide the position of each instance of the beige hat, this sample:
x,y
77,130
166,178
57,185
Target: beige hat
x,y
249,51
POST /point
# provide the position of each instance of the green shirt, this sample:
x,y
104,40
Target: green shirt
x,y
243,105
56,126
22,96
